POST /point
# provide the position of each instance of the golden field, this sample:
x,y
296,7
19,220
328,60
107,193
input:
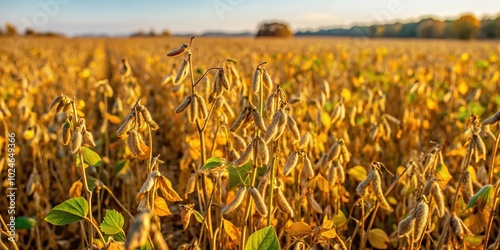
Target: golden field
x,y
401,137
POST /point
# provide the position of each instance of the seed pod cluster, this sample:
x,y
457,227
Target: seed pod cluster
x,y
126,70
134,140
373,181
61,103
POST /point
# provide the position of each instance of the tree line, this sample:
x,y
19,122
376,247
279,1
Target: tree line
x,y
466,27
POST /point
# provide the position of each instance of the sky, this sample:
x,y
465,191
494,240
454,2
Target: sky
x,y
118,17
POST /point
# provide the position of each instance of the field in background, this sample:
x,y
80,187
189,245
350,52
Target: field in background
x,y
404,100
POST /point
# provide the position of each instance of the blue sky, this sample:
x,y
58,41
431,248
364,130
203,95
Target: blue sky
x,y
125,16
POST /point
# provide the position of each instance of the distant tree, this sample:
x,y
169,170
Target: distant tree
x,y
466,27
166,33
10,29
276,29
431,28
29,32
409,30
490,28
392,30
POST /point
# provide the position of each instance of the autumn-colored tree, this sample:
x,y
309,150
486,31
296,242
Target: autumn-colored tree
x,y
276,29
10,29
431,28
466,27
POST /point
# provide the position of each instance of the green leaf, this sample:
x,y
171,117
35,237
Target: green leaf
x,y
72,210
265,238
212,163
90,158
119,237
121,166
241,175
112,222
146,247
482,198
24,222
198,216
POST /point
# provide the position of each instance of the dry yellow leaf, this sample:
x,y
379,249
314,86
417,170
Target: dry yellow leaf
x,y
161,208
76,189
378,238
299,229
166,189
231,230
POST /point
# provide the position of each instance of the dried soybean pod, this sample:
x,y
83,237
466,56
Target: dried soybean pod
x,y
56,102
259,201
202,106
314,204
238,199
193,114
406,227
133,142
294,129
259,122
307,167
270,104
438,197
272,129
362,188
334,152
377,189
239,121
266,79
281,202
183,105
179,51
66,132
76,140
421,215
262,150
127,125
88,139
147,117
223,80
183,72
245,156
290,164
257,75
283,118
